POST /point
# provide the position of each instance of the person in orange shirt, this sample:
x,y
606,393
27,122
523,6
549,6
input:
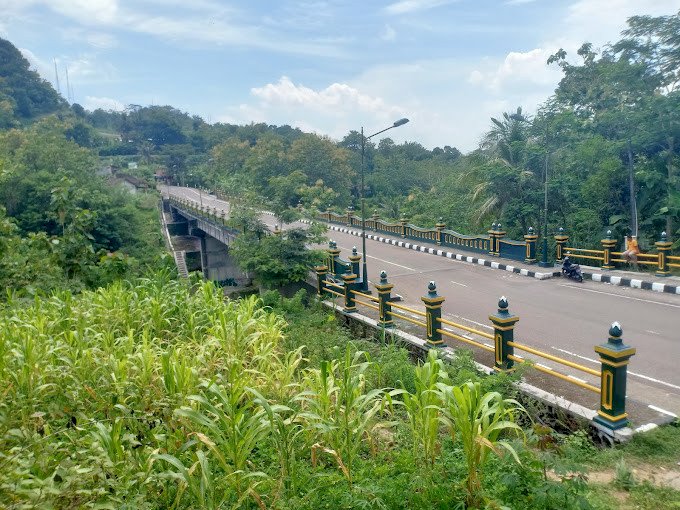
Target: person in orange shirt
x,y
632,250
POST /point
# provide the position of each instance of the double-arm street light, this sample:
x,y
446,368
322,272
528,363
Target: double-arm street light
x,y
364,279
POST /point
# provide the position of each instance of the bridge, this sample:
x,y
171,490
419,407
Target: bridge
x,y
558,317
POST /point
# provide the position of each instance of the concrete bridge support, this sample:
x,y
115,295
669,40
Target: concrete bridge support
x,y
217,263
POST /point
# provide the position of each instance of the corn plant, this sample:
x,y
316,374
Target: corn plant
x,y
478,420
422,407
231,424
341,410
286,428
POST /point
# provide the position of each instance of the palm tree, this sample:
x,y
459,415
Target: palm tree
x,y
503,153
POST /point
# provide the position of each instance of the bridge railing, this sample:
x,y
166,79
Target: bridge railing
x,y
608,380
492,243
607,258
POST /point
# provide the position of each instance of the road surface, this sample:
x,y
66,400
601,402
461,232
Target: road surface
x,y
559,316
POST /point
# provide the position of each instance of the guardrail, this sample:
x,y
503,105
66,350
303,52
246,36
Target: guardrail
x,y
609,381
492,243
607,258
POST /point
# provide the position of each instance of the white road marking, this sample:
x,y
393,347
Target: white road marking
x,y
658,409
472,322
382,260
619,296
635,374
461,284
651,332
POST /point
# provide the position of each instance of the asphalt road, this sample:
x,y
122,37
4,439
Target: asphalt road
x,y
558,316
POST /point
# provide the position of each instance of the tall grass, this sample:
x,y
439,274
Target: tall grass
x,y
161,394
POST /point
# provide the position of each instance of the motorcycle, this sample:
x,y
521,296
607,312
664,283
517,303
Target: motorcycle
x,y
572,271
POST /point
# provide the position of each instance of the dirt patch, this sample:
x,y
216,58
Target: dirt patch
x,y
656,475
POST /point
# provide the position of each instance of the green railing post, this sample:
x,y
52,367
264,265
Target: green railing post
x,y
433,312
403,222
614,356
333,253
503,332
277,230
384,307
440,226
500,234
492,239
349,281
663,245
530,240
375,219
321,275
608,245
560,244
349,216
354,259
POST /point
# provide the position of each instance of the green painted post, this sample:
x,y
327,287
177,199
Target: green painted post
x,y
354,259
375,219
333,253
440,226
403,221
500,234
560,245
492,239
349,281
663,245
321,274
349,216
277,230
433,312
384,307
608,245
530,240
504,331
614,356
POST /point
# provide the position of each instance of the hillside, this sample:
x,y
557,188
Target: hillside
x,y
24,95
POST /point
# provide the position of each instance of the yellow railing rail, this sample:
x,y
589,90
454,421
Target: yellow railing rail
x,y
465,328
466,340
407,309
556,359
582,250
367,296
559,375
369,305
406,318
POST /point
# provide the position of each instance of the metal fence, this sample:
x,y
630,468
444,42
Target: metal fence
x,y
609,381
492,243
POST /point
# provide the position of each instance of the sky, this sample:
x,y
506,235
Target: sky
x,y
325,66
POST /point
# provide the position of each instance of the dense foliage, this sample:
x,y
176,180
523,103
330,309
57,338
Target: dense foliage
x,y
155,395
64,226
24,96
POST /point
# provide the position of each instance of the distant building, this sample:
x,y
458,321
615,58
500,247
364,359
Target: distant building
x,y
130,182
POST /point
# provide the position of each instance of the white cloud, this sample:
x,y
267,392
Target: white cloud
x,y
43,67
95,39
406,6
388,33
519,2
105,103
519,70
202,22
333,110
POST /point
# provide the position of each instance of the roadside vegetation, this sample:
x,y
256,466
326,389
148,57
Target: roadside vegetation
x,y
159,394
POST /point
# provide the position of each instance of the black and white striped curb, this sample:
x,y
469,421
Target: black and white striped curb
x,y
633,282
450,255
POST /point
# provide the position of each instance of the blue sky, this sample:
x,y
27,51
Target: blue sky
x,y
322,65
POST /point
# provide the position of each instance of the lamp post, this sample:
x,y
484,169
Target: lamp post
x,y
544,256
364,279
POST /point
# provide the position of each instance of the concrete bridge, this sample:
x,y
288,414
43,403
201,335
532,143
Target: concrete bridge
x,y
205,239
557,316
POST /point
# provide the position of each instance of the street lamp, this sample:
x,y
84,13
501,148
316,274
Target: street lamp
x,y
364,280
544,258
